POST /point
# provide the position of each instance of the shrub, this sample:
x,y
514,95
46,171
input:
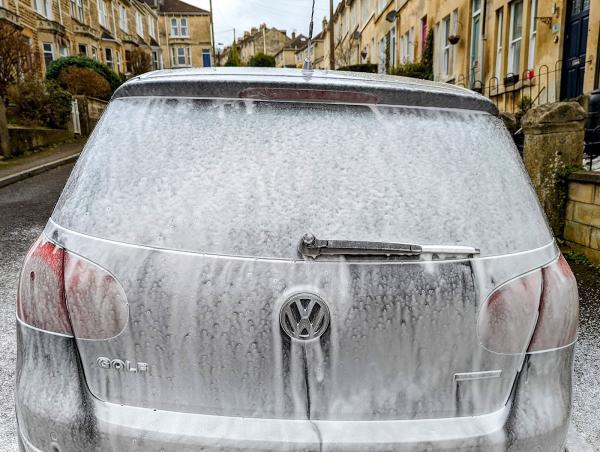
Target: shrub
x,y
84,81
42,103
17,58
262,60
366,67
233,59
422,69
57,66
140,61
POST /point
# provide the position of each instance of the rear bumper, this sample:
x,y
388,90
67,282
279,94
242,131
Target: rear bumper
x,y
56,412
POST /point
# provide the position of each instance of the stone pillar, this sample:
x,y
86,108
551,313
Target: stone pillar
x,y
554,140
4,137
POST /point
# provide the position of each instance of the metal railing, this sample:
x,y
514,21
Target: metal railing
x,y
517,92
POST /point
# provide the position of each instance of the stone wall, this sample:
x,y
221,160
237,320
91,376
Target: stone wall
x,y
90,111
582,225
554,136
22,139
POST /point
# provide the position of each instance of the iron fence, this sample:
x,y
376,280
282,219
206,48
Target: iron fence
x,y
517,92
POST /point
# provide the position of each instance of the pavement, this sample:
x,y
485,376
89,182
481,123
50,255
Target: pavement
x,y
26,205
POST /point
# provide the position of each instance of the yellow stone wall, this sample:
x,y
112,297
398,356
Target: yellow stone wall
x,y
582,227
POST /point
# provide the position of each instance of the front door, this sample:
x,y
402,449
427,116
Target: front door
x,y
206,58
578,15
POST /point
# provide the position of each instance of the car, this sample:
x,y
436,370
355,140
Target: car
x,y
262,259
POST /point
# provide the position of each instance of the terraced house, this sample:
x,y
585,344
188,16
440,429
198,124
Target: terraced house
x,y
185,36
114,32
510,50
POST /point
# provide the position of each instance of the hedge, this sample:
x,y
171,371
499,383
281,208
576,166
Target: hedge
x,y
57,66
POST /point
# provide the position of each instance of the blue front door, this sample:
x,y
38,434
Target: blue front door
x,y
206,59
578,18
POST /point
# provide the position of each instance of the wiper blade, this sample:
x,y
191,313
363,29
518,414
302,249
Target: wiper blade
x,y
310,246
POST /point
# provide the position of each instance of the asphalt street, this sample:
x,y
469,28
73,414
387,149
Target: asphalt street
x,y
26,206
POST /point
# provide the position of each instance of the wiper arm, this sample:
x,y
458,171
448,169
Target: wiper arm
x,y
310,246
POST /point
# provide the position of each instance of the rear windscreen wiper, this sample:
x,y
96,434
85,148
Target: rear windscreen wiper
x,y
310,246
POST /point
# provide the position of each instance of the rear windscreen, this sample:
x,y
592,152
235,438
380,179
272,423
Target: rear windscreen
x,y
250,178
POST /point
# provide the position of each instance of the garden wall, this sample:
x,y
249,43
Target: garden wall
x,y
22,139
582,225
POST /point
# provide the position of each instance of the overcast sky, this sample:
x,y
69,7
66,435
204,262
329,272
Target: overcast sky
x,y
289,15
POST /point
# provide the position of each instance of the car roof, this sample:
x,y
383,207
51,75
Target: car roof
x,y
230,82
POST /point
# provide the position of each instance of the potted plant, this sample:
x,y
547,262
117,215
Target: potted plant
x,y
453,39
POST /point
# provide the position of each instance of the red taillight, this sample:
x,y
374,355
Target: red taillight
x,y
559,309
535,312
41,293
95,299
507,319
63,293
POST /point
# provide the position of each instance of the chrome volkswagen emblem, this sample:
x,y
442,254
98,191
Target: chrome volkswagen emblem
x,y
304,317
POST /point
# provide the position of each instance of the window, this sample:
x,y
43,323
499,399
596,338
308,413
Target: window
x,y
48,49
103,13
423,33
155,60
64,51
445,33
183,26
475,35
393,60
366,11
499,41
180,56
382,4
515,37
43,7
94,53
139,24
179,27
118,61
407,48
123,25
82,49
151,27
108,59
532,34
77,10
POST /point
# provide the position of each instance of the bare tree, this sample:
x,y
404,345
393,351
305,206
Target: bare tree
x,y
17,58
343,55
141,62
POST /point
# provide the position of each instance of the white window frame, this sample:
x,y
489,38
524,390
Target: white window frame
x,y
94,53
176,54
445,27
184,29
366,11
123,22
393,47
151,27
48,51
532,33
514,43
174,26
44,8
499,42
139,24
475,51
107,61
103,13
77,11
381,5
118,53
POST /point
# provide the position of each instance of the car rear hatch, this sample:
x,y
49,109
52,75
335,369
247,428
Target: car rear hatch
x,y
197,208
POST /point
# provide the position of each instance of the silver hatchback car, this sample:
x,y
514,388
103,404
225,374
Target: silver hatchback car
x,y
289,260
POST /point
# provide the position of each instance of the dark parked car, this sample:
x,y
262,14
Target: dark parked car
x,y
288,260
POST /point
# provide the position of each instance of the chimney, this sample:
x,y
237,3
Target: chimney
x,y
325,24
293,35
253,30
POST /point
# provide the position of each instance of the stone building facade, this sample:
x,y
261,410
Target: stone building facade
x,y
506,49
267,40
185,34
108,30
